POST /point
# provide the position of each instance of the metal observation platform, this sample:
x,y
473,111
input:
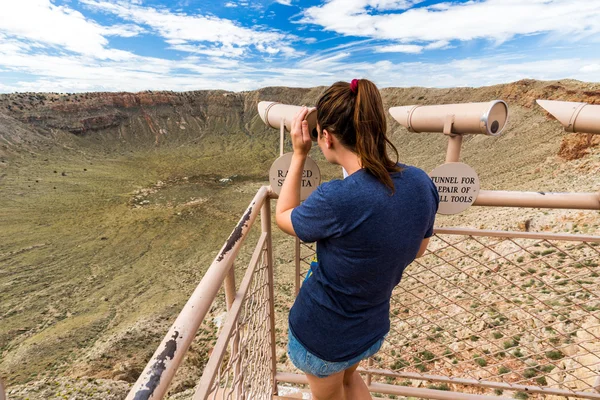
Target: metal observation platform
x,y
483,314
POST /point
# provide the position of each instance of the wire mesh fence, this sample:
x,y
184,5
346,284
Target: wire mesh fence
x,y
243,354
486,312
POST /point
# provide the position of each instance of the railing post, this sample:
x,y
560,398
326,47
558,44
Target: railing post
x,y
230,287
265,217
297,265
369,365
230,293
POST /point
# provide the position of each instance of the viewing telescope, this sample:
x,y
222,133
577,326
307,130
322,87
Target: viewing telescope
x,y
487,118
575,117
454,120
275,114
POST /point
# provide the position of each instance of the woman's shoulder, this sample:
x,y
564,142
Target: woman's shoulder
x,y
412,171
332,188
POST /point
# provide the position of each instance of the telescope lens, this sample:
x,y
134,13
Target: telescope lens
x,y
494,127
314,135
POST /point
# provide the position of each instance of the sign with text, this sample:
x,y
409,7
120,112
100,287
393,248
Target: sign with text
x,y
458,187
311,175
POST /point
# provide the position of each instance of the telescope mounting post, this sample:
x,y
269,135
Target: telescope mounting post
x,y
281,136
454,140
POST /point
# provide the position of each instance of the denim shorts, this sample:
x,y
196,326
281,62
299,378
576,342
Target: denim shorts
x,y
308,363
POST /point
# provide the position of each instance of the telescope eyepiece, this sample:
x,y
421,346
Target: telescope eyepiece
x,y
494,127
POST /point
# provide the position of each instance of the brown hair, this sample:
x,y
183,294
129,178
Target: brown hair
x,y
357,119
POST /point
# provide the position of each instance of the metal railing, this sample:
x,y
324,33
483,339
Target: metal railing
x,y
481,313
242,362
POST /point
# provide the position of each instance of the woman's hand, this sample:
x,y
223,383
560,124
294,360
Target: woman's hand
x,y
301,141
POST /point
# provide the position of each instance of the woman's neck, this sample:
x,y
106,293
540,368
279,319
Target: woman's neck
x,y
349,160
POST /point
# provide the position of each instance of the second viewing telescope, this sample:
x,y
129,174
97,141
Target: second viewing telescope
x,y
487,118
274,114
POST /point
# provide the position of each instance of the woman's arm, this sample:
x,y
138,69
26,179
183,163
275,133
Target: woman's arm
x,y
289,198
423,247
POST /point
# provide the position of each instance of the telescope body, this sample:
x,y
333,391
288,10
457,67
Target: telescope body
x,y
487,118
575,117
273,114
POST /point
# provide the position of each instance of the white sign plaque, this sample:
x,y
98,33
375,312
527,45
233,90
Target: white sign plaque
x,y
311,175
458,187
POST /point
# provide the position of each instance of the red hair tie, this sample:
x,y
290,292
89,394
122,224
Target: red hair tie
x,y
354,86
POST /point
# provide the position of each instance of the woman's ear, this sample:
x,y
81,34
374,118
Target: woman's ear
x,y
328,138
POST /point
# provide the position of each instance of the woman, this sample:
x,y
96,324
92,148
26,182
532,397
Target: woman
x,y
368,228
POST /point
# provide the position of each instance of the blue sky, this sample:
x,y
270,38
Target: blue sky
x,y
135,45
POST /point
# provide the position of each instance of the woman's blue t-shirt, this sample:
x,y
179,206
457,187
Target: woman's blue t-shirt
x,y
365,238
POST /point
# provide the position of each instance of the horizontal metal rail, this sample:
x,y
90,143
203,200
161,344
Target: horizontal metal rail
x,y
480,383
298,379
576,201
514,234
509,198
160,370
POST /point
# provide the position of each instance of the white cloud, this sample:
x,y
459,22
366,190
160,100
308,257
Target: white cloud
x,y
199,33
495,20
82,73
42,22
122,30
590,68
386,5
400,48
320,62
440,44
284,2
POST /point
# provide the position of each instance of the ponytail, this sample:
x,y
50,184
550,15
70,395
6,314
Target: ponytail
x,y
371,138
354,114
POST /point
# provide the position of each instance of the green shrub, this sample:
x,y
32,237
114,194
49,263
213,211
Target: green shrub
x,y
503,370
555,354
480,361
529,373
548,368
518,353
441,386
541,381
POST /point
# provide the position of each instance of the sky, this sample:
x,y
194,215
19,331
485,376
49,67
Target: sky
x,y
239,45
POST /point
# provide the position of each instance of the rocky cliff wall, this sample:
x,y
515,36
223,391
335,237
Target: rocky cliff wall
x,y
150,119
